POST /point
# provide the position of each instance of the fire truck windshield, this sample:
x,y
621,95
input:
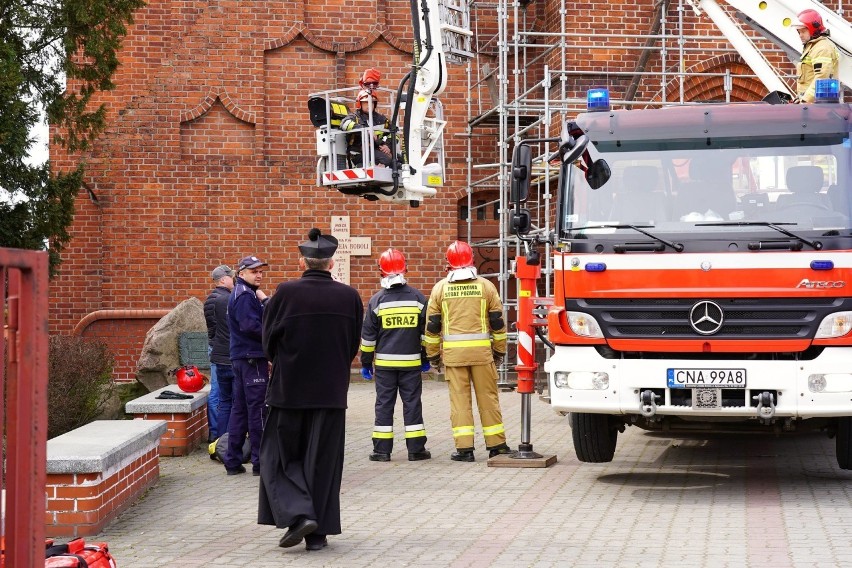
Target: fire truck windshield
x,y
712,188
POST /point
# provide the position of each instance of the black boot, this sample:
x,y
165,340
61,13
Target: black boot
x,y
500,450
463,455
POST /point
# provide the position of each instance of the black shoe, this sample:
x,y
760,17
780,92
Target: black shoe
x,y
379,457
501,450
418,456
236,470
315,542
462,456
255,471
297,532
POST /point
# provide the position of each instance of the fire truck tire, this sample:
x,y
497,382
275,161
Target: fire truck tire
x,y
844,442
594,437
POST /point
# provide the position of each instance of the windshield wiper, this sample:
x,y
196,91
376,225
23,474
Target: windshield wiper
x,y
678,247
816,245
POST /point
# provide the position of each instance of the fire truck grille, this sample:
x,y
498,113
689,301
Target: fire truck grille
x,y
655,318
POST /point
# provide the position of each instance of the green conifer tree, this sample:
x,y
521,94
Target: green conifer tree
x,y
43,43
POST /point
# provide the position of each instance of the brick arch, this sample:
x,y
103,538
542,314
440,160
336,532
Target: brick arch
x,y
705,88
222,96
377,32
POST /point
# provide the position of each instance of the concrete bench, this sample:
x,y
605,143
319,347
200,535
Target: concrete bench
x,y
187,418
96,471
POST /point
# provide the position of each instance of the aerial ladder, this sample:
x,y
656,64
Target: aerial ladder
x,y
774,19
416,123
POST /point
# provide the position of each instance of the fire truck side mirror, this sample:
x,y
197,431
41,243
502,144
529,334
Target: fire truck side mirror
x,y
521,222
598,173
521,168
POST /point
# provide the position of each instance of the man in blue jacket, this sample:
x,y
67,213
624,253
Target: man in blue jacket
x,y
251,368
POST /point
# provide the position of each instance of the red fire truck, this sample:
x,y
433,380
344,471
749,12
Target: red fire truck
x,y
702,265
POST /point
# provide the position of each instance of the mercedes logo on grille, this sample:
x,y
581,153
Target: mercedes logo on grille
x,y
706,317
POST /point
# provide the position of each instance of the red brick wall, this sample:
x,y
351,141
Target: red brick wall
x,y
209,154
124,338
82,504
184,432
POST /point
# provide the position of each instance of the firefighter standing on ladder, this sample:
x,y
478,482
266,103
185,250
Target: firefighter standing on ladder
x,y
391,341
819,55
465,319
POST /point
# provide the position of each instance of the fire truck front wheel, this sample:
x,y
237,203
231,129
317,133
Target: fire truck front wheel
x,y
594,437
844,442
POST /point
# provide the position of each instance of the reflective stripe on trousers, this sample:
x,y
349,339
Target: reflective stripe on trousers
x,y
483,379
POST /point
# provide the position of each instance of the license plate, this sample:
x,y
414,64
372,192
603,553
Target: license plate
x,y
706,378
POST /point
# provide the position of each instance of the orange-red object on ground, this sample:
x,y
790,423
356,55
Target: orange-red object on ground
x,y
189,378
78,554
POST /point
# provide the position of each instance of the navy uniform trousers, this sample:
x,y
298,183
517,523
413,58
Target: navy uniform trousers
x,y
409,384
250,378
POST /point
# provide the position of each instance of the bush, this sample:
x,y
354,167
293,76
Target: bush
x,y
79,382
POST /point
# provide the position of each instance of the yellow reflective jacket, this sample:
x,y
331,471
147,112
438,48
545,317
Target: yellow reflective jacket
x,y
819,61
465,319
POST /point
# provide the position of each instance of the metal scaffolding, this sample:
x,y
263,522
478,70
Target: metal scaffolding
x,y
523,81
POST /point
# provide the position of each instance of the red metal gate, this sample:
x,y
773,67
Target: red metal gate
x,y
23,416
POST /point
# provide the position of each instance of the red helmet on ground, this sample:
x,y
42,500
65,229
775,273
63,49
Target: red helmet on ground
x,y
364,95
392,262
812,20
460,255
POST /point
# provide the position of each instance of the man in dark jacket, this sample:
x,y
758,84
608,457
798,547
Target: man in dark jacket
x,y
251,369
219,345
311,331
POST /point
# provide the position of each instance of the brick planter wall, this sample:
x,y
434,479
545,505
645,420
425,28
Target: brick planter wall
x,y
184,432
186,420
96,472
81,504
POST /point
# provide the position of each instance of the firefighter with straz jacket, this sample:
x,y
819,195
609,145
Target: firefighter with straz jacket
x,y
391,342
465,331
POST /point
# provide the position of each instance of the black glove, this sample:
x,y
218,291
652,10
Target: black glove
x,y
498,357
436,363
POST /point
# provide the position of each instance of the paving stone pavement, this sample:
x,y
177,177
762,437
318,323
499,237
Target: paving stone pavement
x,y
711,500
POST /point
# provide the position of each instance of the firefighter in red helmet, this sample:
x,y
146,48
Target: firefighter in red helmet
x,y
391,344
466,332
370,79
364,117
819,55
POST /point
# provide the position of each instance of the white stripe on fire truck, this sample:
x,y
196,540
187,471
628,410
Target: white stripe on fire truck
x,y
717,261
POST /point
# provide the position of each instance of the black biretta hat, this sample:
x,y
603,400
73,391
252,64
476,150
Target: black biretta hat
x,y
318,245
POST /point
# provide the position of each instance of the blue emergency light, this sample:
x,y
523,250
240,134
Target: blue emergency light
x,y
597,100
822,264
827,91
595,267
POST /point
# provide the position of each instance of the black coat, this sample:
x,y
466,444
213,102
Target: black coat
x,y
311,333
218,334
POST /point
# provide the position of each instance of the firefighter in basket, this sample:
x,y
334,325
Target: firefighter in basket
x,y
364,116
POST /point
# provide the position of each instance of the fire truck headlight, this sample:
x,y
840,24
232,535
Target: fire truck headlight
x,y
584,325
581,380
834,325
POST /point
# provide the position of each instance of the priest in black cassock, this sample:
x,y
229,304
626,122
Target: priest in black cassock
x,y
311,333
